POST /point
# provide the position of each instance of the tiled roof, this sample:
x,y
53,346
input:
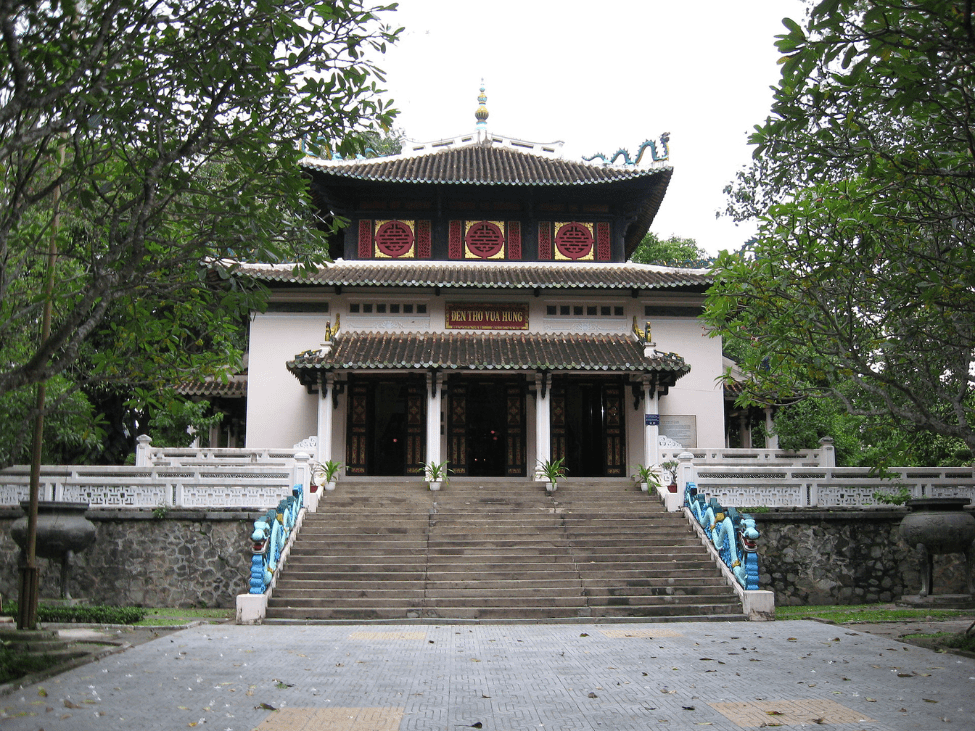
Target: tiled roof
x,y
235,387
486,352
488,275
480,165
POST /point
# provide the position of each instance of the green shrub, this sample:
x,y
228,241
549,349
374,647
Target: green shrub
x,y
892,498
95,614
960,641
15,665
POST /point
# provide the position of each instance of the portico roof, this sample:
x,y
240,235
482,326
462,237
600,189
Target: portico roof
x,y
502,351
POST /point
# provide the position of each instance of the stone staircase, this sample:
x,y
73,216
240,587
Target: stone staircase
x,y
497,550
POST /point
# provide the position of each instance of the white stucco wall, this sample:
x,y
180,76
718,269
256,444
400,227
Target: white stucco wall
x,y
698,392
280,412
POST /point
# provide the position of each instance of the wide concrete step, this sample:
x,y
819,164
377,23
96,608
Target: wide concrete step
x,y
682,613
496,550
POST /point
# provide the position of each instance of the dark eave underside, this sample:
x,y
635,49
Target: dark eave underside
x,y
488,352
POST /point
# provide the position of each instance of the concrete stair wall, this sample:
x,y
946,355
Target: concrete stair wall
x,y
497,550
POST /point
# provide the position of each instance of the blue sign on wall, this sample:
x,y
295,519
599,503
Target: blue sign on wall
x,y
651,419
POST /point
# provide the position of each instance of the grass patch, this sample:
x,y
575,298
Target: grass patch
x,y
959,641
15,665
865,613
161,616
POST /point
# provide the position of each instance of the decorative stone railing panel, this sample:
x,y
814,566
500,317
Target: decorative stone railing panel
x,y
117,493
827,487
250,486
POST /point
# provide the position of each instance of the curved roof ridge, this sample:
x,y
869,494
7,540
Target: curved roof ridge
x,y
480,164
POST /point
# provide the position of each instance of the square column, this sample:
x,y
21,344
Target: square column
x,y
434,398
651,434
543,421
325,412
773,438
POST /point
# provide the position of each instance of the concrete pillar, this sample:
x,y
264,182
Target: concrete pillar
x,y
773,439
301,472
325,412
143,449
745,430
543,421
829,452
434,389
651,434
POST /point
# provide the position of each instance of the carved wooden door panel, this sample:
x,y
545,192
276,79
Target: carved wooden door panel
x,y
515,460
357,446
457,427
557,407
613,434
416,437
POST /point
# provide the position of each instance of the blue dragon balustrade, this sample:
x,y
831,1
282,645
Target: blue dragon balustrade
x,y
664,146
269,538
733,534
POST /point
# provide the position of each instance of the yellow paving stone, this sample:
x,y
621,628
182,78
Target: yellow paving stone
x,y
756,714
333,719
388,636
647,633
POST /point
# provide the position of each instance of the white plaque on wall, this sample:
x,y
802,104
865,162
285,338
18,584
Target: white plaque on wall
x,y
682,429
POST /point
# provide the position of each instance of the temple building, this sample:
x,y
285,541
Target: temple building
x,y
481,311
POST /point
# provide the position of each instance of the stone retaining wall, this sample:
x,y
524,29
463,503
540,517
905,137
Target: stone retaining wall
x,y
202,558
187,558
844,556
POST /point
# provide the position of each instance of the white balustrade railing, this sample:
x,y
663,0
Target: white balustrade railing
x,y
825,456
146,455
244,486
824,487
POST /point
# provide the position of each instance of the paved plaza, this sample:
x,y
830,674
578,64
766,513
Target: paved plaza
x,y
730,675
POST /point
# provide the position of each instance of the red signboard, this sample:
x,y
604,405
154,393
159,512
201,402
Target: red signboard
x,y
487,317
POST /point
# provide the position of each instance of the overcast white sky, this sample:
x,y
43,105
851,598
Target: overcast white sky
x,y
600,75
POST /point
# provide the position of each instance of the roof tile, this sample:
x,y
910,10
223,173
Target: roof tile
x,y
485,352
478,164
493,275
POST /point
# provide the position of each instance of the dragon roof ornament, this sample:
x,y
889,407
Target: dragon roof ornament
x,y
655,156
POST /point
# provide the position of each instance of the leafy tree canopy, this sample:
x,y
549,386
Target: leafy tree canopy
x,y
673,251
142,139
861,284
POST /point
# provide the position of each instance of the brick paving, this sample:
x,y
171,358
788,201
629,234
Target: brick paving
x,y
679,675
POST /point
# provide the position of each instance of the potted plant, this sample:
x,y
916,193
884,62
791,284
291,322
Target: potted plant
x,y
646,476
552,471
671,467
323,475
436,474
